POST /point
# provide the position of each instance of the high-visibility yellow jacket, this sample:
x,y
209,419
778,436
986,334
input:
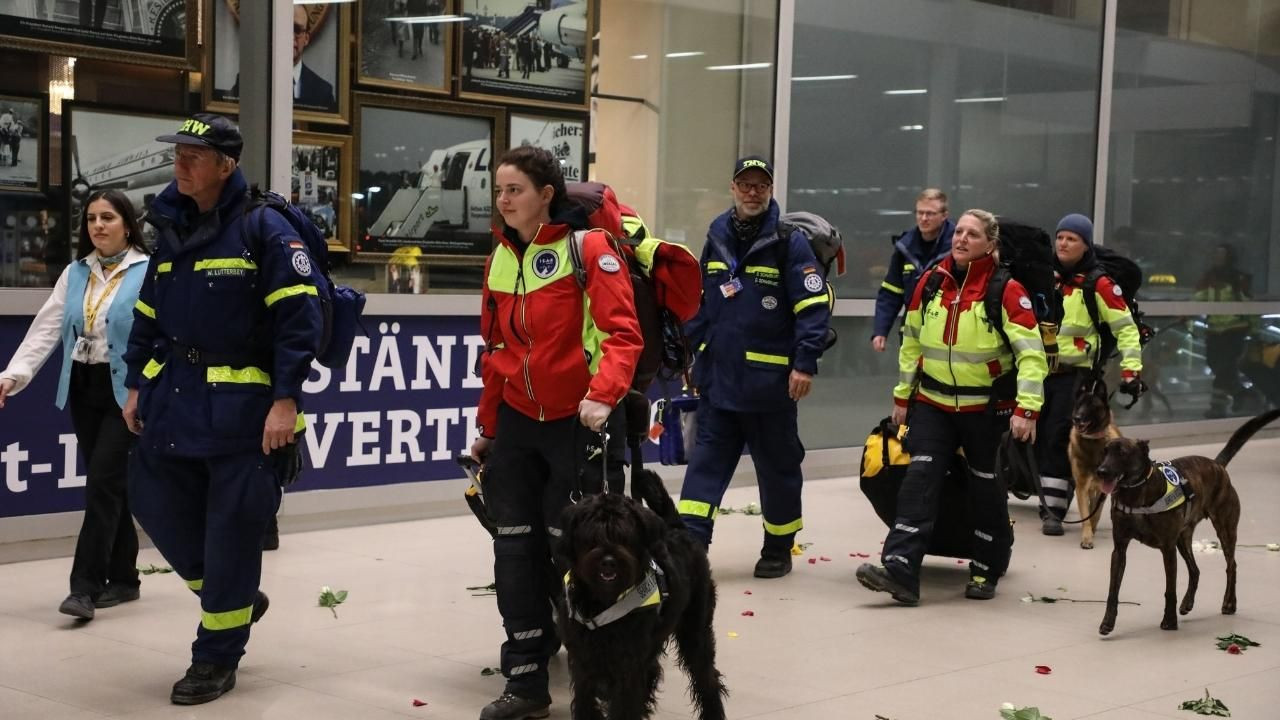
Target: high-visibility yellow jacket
x,y
957,356
1079,341
1220,289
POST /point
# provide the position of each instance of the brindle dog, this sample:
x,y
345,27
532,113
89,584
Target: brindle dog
x,y
1092,426
1134,481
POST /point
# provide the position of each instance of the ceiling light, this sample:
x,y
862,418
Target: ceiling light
x,y
692,53
980,99
745,66
819,78
911,127
910,91
641,56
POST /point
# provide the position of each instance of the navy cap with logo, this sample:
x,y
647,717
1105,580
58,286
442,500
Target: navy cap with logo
x,y
209,130
752,162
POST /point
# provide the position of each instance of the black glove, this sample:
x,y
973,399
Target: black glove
x,y
1134,388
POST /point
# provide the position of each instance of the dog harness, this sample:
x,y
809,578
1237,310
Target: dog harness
x,y
650,593
1176,492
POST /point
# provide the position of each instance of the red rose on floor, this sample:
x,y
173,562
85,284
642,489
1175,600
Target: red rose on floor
x,y
418,703
1043,669
748,613
1233,649
813,561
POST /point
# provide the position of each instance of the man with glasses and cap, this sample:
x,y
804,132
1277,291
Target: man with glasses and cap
x,y
225,328
757,337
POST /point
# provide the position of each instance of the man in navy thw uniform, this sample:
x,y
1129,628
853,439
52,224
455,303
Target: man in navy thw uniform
x,y
225,328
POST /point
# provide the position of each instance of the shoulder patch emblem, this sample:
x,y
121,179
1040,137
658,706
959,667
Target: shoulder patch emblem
x,y
1115,290
546,263
813,282
609,264
769,302
301,263
1024,302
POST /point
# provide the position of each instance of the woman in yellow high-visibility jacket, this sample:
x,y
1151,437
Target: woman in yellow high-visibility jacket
x,y
954,370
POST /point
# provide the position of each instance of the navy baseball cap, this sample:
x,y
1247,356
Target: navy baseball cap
x,y
209,130
752,162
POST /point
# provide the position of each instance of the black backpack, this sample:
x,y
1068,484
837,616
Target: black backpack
x,y
1126,274
1026,255
341,305
828,248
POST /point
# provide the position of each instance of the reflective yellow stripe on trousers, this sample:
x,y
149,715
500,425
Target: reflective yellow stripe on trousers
x,y
229,620
697,509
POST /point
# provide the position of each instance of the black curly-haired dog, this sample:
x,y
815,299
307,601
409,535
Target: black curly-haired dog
x,y
636,578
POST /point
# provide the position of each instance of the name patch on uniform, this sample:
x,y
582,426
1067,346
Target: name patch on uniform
x,y
301,263
609,264
1024,302
769,302
545,263
813,282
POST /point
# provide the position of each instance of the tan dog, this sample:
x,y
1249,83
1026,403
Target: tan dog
x,y
1092,425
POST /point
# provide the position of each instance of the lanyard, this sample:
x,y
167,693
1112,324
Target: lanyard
x,y
91,308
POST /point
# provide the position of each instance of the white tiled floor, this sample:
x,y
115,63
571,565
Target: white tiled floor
x,y
818,646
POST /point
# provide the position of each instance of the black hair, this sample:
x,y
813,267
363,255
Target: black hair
x,y
122,205
543,169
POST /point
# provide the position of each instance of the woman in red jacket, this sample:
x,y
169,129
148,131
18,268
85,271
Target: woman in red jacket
x,y
557,362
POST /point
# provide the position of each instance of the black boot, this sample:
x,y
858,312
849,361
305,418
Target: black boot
x,y
774,562
876,577
202,683
260,605
77,605
510,706
980,588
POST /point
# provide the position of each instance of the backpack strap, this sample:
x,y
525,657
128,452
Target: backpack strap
x,y
993,303
576,241
931,287
900,243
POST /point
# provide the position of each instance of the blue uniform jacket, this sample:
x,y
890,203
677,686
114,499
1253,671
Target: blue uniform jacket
x,y
241,292
746,345
905,268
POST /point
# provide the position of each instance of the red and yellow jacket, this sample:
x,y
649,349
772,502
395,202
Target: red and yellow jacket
x,y
549,343
958,356
1079,341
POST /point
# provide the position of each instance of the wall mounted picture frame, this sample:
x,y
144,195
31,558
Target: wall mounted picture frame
x,y
150,32
321,71
24,142
535,52
33,241
424,178
564,136
321,184
406,44
111,147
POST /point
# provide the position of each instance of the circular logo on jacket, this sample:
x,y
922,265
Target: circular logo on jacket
x,y
545,263
1024,302
813,282
301,263
1115,290
769,302
609,264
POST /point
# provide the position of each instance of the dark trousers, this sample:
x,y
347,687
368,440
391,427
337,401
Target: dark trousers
x,y
107,549
773,438
1053,439
1222,353
932,440
529,478
207,516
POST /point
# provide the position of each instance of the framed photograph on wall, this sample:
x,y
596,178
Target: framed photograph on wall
x,y
33,241
406,44
526,51
24,142
321,75
321,185
564,137
154,32
425,177
105,147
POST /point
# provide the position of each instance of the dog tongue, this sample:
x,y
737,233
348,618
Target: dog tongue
x,y
1109,486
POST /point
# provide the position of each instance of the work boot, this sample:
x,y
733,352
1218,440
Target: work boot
x,y
260,605
271,538
876,577
773,563
77,605
979,588
1052,526
116,594
202,683
510,706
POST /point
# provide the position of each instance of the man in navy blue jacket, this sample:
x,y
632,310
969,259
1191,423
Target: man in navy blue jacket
x,y
225,328
757,336
913,252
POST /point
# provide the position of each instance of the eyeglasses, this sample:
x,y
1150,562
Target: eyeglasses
x,y
759,188
927,213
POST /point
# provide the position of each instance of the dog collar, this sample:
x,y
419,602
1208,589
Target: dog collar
x,y
649,593
1176,493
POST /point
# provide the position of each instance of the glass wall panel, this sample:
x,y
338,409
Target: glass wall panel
x,y
994,104
1193,151
852,391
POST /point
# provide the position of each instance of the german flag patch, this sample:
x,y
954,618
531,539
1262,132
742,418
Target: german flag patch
x,y
297,245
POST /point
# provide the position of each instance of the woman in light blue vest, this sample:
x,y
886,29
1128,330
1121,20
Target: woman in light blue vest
x,y
90,313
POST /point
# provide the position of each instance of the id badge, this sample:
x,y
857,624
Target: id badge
x,y
81,349
731,288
